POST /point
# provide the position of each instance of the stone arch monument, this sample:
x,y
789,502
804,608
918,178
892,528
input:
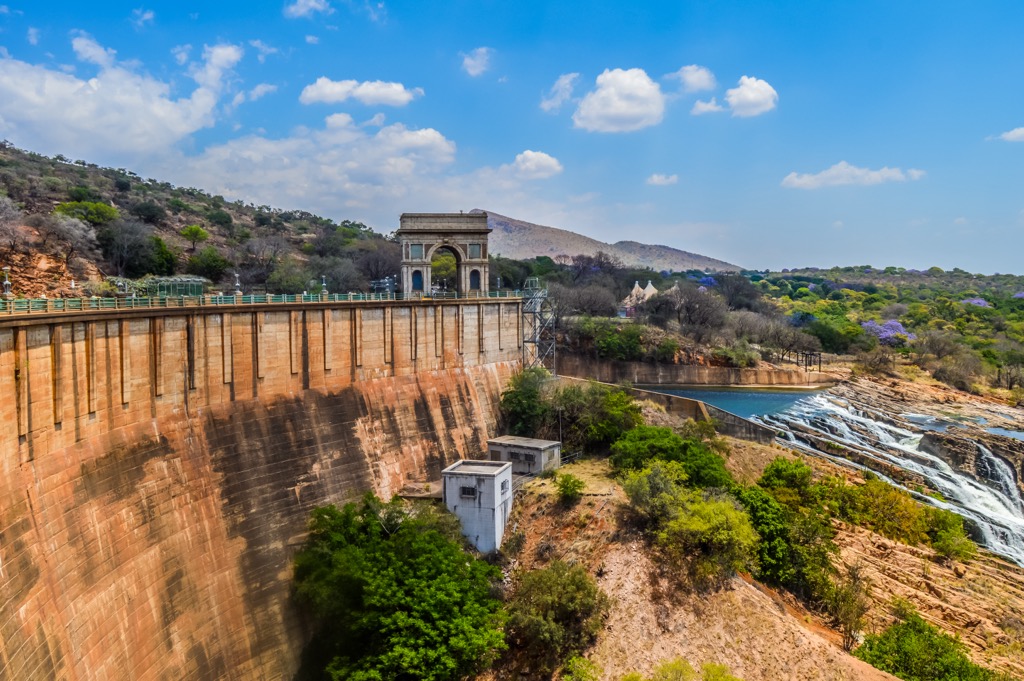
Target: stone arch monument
x,y
421,235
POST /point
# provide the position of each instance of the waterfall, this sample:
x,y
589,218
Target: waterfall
x,y
993,506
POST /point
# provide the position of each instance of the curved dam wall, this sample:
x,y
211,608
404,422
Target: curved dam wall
x,y
649,373
158,468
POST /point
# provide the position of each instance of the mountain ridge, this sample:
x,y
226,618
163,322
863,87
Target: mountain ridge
x,y
521,240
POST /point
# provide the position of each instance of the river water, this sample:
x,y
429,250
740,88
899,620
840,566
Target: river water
x,y
742,402
992,503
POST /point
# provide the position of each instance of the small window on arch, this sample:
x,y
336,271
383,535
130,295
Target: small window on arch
x,y
474,280
417,280
416,251
474,251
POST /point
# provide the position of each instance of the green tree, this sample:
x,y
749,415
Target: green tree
x,y
194,234
149,212
394,596
208,263
95,213
555,613
914,650
523,407
570,488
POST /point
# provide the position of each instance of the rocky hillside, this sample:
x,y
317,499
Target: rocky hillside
x,y
761,633
521,240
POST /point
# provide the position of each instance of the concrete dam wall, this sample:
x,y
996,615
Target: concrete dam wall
x,y
158,468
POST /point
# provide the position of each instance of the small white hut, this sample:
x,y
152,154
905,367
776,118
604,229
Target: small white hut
x,y
479,493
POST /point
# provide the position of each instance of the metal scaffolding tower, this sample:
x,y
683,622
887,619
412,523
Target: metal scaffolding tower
x,y
538,327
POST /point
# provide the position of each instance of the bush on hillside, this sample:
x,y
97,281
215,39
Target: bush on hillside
x,y
914,650
393,595
555,613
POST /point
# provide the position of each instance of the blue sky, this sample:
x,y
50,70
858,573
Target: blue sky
x,y
771,136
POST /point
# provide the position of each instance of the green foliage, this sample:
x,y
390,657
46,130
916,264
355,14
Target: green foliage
x,y
716,672
83,193
709,539
585,417
738,354
394,596
655,491
208,263
674,670
219,217
523,407
638,447
194,234
789,480
774,553
704,537
848,603
947,535
570,488
149,212
578,668
96,214
555,613
838,334
914,650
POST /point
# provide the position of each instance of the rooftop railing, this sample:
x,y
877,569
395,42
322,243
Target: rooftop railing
x,y
19,306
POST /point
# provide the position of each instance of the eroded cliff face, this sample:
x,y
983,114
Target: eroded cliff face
x,y
150,536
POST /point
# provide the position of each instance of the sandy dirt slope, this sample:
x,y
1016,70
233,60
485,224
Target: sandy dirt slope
x,y
743,625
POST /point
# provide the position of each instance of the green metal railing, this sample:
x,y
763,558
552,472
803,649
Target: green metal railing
x,y
17,306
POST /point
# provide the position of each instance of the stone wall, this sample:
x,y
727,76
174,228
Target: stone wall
x,y
158,468
648,373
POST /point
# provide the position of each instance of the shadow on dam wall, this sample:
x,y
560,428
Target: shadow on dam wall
x,y
158,468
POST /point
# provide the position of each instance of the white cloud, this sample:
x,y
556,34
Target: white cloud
x,y
377,120
624,100
341,166
374,92
312,40
843,173
88,50
261,90
700,107
4,9
4,54
217,61
659,180
560,92
180,53
238,99
307,8
696,78
115,115
263,49
477,61
32,36
141,17
536,165
1015,135
752,97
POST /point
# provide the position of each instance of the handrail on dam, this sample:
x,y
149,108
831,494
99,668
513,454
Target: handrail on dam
x,y
19,306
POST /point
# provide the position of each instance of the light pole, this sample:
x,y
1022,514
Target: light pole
x,y
7,283
238,285
323,285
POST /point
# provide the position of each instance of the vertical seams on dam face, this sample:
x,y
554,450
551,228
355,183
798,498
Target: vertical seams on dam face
x,y
159,466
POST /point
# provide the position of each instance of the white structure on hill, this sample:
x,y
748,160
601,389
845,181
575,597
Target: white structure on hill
x,y
527,455
637,296
479,493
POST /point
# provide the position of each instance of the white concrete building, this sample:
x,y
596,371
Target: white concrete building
x,y
479,493
527,455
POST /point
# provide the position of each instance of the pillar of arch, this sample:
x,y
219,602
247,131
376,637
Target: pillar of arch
x,y
464,234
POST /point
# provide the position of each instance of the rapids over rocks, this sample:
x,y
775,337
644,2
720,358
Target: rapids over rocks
x,y
869,428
